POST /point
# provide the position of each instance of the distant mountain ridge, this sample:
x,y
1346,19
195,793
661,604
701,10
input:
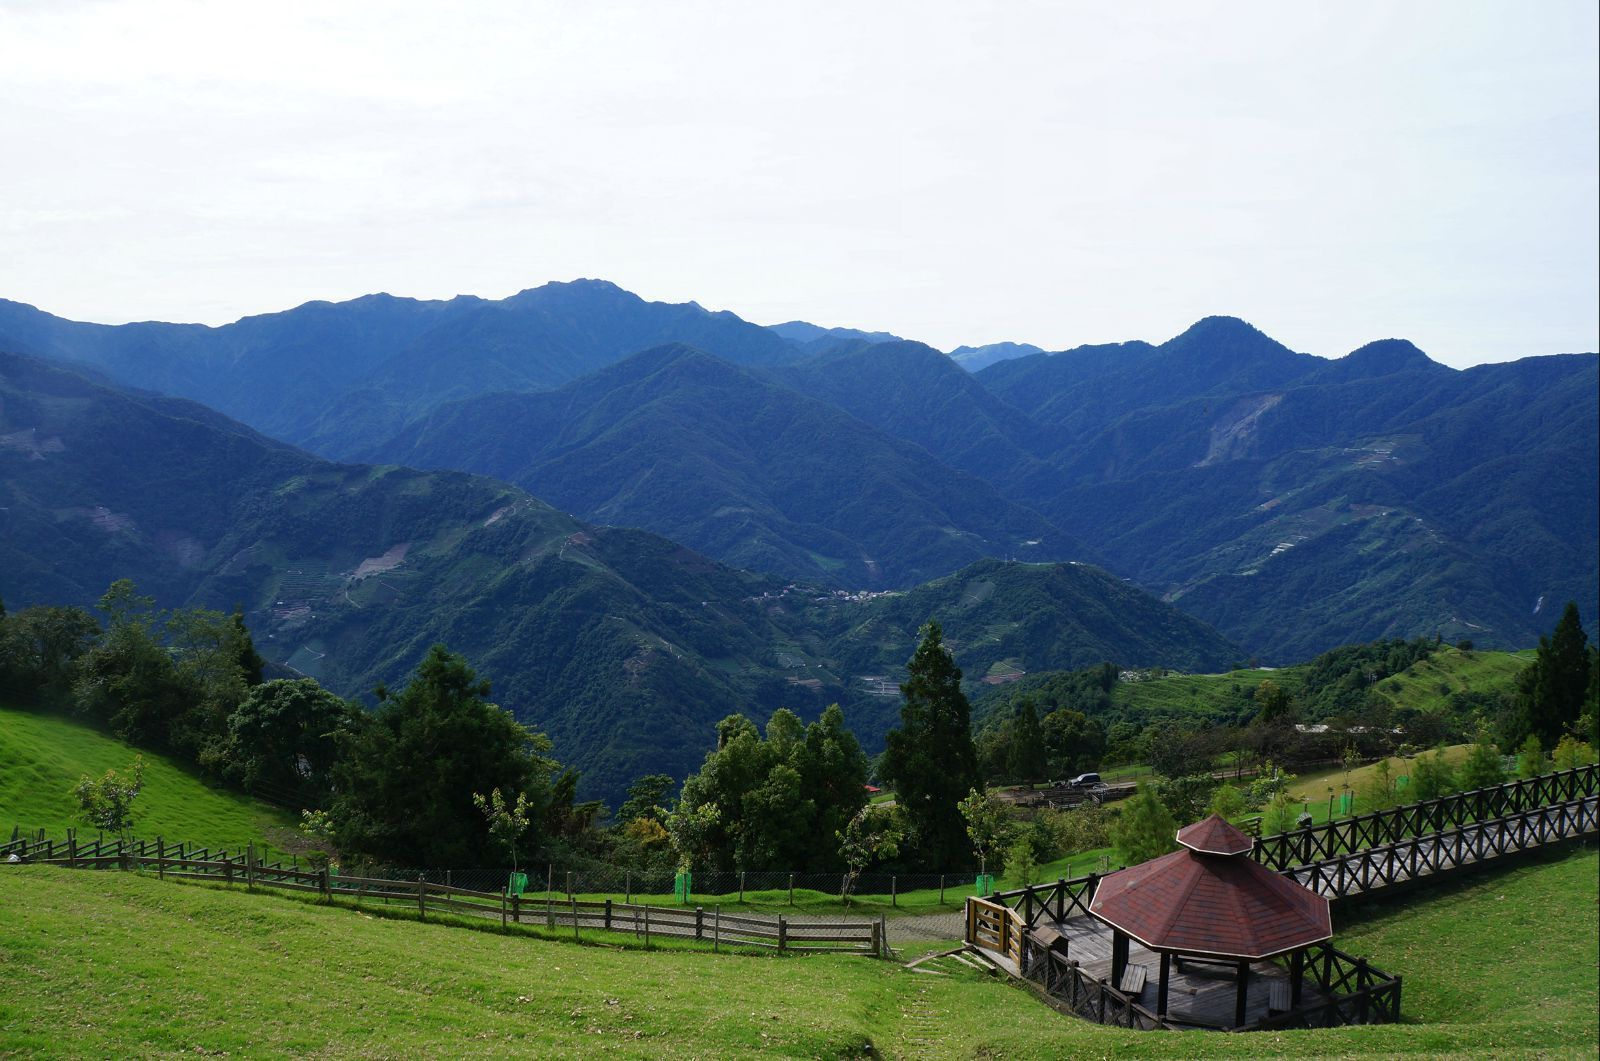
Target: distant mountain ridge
x,y
625,647
1295,502
757,475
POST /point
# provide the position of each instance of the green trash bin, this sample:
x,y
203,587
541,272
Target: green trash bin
x,y
516,884
983,885
681,885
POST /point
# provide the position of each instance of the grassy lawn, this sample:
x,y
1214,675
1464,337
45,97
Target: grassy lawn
x,y
113,963
43,756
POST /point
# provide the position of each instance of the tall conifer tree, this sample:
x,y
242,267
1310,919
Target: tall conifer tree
x,y
930,759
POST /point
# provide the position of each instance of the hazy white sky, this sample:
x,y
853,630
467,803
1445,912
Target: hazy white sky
x,y
1055,173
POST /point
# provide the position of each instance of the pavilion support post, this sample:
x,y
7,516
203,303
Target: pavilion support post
x,y
1166,979
1297,977
1119,956
1243,994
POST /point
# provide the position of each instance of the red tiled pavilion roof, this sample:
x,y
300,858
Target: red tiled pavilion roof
x,y
1221,905
1214,836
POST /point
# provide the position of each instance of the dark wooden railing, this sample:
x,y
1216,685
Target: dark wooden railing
x,y
1413,858
1378,828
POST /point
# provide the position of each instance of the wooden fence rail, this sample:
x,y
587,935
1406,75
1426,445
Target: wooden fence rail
x,y
783,934
1321,842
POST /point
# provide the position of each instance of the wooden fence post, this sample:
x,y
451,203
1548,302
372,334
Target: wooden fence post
x,y
741,886
628,895
516,909
647,926
326,884
894,890
569,884
783,934
422,897
941,889
791,889
502,908
716,929
161,858
608,915
574,903
249,867
699,922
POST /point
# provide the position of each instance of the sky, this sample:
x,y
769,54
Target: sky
x,y
960,173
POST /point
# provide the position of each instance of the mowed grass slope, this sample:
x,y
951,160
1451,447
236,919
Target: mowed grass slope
x,y
43,756
115,963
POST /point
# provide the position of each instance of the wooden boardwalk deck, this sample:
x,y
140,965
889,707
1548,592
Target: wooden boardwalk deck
x,y
1200,995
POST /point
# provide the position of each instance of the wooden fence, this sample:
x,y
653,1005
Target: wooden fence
x,y
713,927
1416,858
1322,842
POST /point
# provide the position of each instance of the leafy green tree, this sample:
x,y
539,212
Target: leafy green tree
x,y
1074,741
284,740
1146,828
1572,753
872,835
779,795
1432,777
1022,863
1553,689
1531,761
508,820
40,650
646,799
107,803
1273,703
1186,797
1228,801
406,780
988,825
1027,758
930,759
1482,768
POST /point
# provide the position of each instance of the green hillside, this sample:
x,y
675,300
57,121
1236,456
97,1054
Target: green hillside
x,y
112,963
43,756
1436,684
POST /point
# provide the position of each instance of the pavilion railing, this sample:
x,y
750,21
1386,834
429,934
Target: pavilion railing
x,y
1378,828
1354,991
1068,987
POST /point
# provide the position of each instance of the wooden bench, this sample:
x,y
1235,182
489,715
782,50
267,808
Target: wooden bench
x,y
1217,966
1050,939
1133,978
1278,996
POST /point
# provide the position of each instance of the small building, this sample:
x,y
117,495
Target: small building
x,y
1209,904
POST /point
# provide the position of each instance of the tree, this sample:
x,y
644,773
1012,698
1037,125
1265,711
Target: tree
x,y
1022,864
507,820
779,798
1432,777
284,740
1027,757
409,770
1228,801
988,825
108,803
646,798
1530,758
1553,689
1146,829
872,835
1482,767
930,759
1273,704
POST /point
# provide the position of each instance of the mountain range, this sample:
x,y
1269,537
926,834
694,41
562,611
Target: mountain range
x,y
1293,502
624,646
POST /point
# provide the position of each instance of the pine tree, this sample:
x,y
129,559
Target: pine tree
x,y
1553,689
930,759
1146,828
1026,755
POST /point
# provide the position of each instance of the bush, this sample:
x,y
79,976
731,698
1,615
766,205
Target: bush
x,y
1087,828
1432,777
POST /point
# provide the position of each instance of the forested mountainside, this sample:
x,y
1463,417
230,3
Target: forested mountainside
x,y
625,647
752,473
1294,502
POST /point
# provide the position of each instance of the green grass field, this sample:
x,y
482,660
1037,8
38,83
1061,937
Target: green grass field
x,y
101,963
43,756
